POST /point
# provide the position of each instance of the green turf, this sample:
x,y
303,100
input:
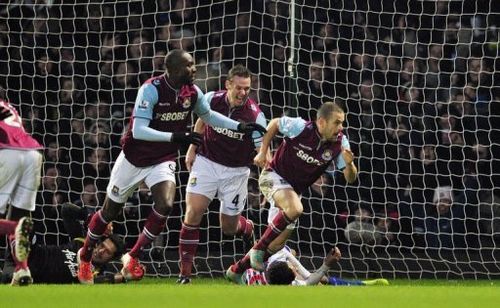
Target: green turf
x,y
218,293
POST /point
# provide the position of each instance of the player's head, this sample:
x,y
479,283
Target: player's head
x,y
180,67
110,248
329,119
279,273
238,85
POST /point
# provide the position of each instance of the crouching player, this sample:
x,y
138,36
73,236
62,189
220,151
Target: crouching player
x,y
58,263
283,268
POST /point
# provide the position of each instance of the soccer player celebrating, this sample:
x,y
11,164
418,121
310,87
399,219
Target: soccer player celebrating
x,y
159,122
221,167
305,153
20,168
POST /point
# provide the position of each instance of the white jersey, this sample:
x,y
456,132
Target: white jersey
x,y
253,277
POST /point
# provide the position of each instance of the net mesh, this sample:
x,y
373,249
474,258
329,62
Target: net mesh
x,y
416,78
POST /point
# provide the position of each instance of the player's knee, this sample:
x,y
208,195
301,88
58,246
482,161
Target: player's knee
x,y
295,211
111,210
274,247
164,208
193,217
229,231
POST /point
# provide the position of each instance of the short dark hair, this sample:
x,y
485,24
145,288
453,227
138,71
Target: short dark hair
x,y
119,243
173,59
239,70
327,109
279,273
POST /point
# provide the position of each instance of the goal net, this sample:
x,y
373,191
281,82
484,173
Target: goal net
x,y
418,81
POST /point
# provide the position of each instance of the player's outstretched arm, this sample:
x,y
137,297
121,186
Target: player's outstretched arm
x,y
331,258
142,131
147,98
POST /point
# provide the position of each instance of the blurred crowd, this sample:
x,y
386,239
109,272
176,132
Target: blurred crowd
x,y
416,78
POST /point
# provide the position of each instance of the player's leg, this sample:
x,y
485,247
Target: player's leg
x,y
98,225
238,226
10,169
22,204
202,187
19,182
335,281
235,271
196,205
233,192
123,181
20,252
7,226
161,181
163,195
290,207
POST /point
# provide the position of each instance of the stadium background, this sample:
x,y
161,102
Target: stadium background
x,y
417,79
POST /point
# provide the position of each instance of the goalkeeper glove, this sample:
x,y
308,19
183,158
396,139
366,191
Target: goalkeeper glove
x,y
249,128
187,138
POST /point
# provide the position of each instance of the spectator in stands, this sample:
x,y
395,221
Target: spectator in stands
x,y
51,189
444,223
158,63
91,197
140,52
361,230
489,218
313,88
98,134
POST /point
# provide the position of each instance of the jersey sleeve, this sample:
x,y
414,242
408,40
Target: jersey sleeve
x,y
257,136
339,160
291,127
147,98
202,105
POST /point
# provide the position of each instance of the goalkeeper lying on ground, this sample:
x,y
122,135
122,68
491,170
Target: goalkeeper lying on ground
x,y
58,263
284,269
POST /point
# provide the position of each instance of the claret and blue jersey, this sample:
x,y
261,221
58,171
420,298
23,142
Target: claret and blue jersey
x,y
302,156
230,147
168,110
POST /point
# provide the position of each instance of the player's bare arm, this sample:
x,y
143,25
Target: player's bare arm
x,y
332,257
199,126
263,156
350,171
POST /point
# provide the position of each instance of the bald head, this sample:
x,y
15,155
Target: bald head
x,y
173,59
180,68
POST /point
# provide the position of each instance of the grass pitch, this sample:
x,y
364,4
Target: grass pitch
x,y
219,293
